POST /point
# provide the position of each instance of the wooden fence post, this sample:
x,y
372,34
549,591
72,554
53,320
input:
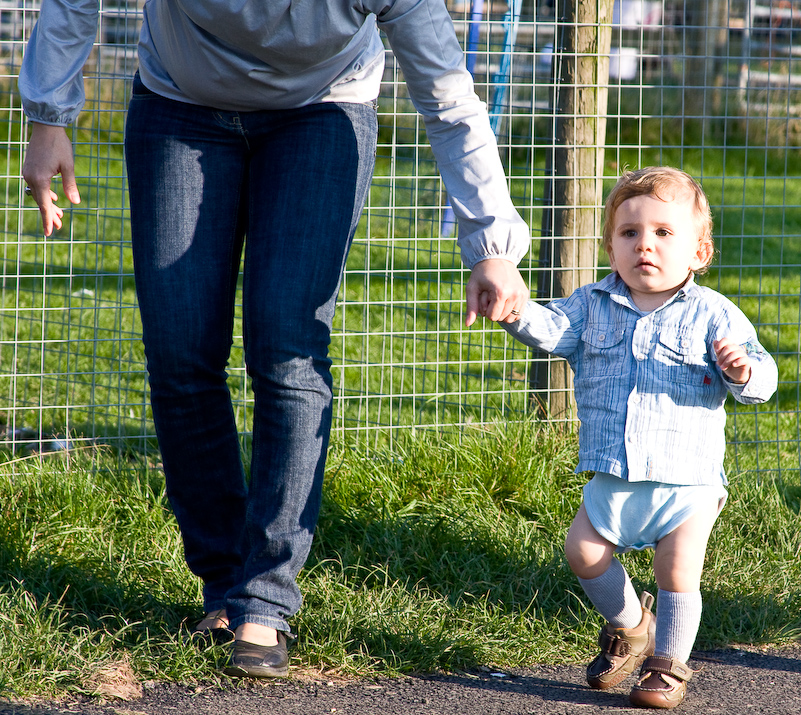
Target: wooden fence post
x,y
571,220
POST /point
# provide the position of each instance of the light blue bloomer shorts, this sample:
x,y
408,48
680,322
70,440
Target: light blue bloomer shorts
x,y
637,515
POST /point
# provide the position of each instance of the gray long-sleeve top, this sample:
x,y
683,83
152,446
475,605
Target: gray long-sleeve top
x,y
245,55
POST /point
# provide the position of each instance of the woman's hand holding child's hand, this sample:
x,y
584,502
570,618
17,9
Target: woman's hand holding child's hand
x,y
733,360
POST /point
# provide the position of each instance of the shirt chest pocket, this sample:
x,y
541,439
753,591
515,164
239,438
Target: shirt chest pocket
x,y
603,351
681,357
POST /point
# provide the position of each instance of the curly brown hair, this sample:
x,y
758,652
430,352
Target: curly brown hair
x,y
665,183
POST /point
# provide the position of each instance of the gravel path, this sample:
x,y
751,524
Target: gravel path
x,y
730,682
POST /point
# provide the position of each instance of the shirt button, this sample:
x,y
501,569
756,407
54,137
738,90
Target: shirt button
x,y
641,357
636,399
602,337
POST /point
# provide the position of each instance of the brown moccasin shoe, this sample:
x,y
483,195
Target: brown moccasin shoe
x,y
623,649
662,683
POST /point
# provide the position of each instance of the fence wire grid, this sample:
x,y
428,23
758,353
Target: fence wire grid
x,y
711,87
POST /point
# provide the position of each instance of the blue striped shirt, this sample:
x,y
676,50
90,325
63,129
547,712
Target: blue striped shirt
x,y
650,395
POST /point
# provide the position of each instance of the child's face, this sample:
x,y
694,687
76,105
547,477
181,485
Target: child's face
x,y
655,246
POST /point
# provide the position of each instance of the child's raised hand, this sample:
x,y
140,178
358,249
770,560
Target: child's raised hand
x,y
733,360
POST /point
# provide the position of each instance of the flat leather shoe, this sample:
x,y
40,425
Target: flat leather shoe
x,y
623,649
662,683
249,660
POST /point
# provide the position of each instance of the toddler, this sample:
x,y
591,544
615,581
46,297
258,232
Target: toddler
x,y
654,355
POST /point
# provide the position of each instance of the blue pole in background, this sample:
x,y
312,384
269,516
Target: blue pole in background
x,y
511,21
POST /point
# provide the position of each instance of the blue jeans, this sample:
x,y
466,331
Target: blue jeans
x,y
286,187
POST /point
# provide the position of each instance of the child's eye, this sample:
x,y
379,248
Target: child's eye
x,y
629,233
662,232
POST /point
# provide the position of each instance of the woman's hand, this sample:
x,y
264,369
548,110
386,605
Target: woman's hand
x,y
49,154
495,290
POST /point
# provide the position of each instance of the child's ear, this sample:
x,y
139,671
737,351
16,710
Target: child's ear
x,y
703,256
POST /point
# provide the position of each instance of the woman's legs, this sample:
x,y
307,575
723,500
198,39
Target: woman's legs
x,y
295,182
308,181
186,176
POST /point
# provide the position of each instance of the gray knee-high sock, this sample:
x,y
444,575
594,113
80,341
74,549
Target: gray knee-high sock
x,y
678,616
613,594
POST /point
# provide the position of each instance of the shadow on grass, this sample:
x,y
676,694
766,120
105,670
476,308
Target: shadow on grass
x,y
65,597
441,589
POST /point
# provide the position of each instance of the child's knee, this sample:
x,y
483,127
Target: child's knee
x,y
587,559
576,559
588,554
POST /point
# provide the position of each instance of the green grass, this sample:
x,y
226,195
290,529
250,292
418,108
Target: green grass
x,y
441,552
435,550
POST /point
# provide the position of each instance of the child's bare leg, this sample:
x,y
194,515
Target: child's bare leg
x,y
679,557
603,578
678,564
628,637
587,552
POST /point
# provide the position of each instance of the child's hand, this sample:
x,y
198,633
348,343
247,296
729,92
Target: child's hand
x,y
733,360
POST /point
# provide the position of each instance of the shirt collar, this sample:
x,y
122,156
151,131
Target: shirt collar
x,y
613,285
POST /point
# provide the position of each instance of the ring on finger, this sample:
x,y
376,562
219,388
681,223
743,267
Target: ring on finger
x,y
515,312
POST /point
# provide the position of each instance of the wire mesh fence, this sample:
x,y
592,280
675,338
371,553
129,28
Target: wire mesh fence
x,y
710,87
